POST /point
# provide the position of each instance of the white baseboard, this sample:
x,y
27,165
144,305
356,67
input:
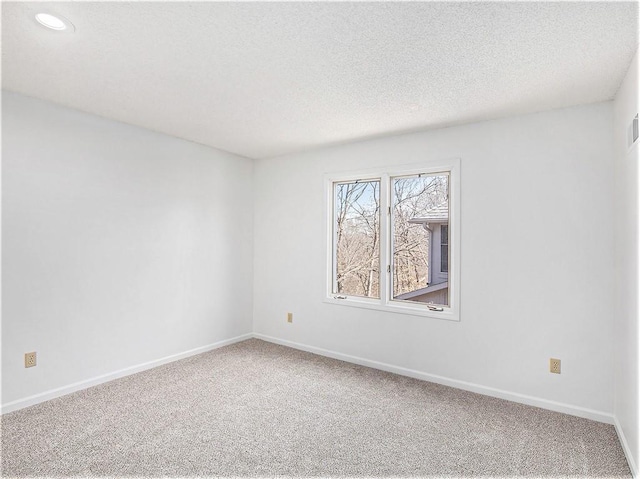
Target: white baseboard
x,y
64,390
625,447
467,386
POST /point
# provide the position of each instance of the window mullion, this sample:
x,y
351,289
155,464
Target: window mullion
x,y
385,238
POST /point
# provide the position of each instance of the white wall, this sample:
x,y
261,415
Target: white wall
x,y
123,246
626,106
120,246
537,255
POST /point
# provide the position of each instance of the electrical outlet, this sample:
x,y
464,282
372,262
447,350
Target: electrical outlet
x,y
554,366
289,317
29,359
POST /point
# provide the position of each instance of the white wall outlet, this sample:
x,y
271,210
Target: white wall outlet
x,y
289,317
554,366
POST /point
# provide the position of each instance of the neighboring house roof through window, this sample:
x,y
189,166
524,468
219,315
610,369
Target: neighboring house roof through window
x,y
437,214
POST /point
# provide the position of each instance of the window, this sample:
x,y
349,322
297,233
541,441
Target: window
x,y
357,238
444,248
392,241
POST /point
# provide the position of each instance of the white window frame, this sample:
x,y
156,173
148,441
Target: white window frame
x,y
386,301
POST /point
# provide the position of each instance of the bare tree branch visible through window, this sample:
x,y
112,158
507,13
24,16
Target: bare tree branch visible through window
x,y
414,197
357,233
357,230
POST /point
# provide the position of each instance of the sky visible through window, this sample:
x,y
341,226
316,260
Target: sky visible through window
x,y
420,205
357,233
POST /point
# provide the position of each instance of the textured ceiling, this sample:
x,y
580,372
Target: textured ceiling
x,y
263,79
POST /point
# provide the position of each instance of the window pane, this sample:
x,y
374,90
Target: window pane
x,y
444,258
357,239
444,248
420,219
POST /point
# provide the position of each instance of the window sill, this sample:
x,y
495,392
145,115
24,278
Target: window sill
x,y
395,307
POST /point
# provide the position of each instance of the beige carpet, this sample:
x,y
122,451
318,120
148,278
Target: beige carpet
x,y
258,409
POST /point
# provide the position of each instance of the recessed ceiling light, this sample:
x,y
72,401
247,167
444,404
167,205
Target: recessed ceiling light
x,y
54,22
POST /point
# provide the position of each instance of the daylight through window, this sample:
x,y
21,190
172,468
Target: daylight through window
x,y
419,214
357,238
393,241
